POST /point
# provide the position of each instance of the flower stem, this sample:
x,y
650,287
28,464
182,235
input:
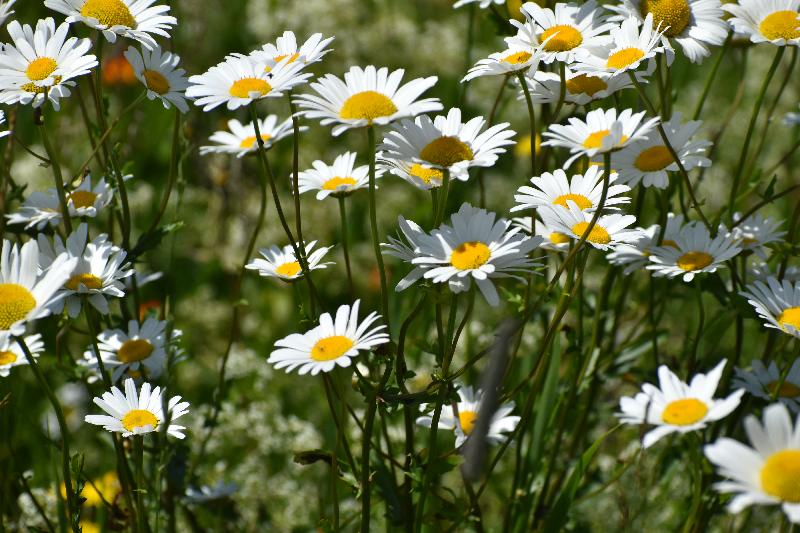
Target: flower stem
x,y
373,223
345,245
531,119
57,176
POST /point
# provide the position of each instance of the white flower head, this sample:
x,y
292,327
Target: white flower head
x,y
423,177
285,46
43,208
580,88
340,178
756,231
240,140
693,252
6,10
406,248
585,190
520,55
765,382
636,254
608,231
281,263
551,240
12,354
767,21
159,73
777,302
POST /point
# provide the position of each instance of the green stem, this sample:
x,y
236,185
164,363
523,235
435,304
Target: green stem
x,y
345,245
444,191
373,224
173,172
296,169
531,119
57,176
138,445
366,440
711,76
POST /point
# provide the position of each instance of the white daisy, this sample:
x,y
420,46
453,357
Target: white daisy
x,y
339,179
762,271
159,72
777,302
608,231
282,264
766,383
584,189
483,4
767,473
406,248
421,176
675,406
332,343
285,46
366,96
636,254
12,354
520,55
693,252
4,133
551,240
240,140
139,413
463,418
773,21
135,19
5,10
581,88
41,63
754,233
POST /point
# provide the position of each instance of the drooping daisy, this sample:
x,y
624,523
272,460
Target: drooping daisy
x,y
777,302
139,413
609,230
26,292
648,160
285,46
240,140
159,72
773,21
135,19
340,178
545,87
240,80
766,383
754,233
333,342
551,239
367,96
423,177
406,248
5,10
445,143
462,420
630,47
41,63
12,354
675,406
636,254
281,263
693,252
520,55
602,131
767,473
556,189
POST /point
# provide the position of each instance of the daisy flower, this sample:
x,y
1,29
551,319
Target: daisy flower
x,y
446,143
282,264
26,292
766,383
551,240
463,418
475,246
636,254
41,64
777,302
240,140
339,179
240,80
765,474
139,413
159,72
693,252
5,10
678,407
648,160
367,96
693,24
331,343
520,55
773,21
285,46
755,232
483,4
545,87
584,189
630,47
135,19
11,353
602,131
406,248
608,231
421,176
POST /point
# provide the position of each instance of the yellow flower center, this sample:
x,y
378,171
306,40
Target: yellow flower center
x,y
588,85
670,243
82,198
780,25
446,151
289,270
367,105
109,12
336,182
331,348
6,358
466,420
780,475
292,59
598,235
564,37
88,280
785,390
673,15
40,68
250,142
582,201
156,81
428,175
790,317
37,89
653,159
244,87
470,255
139,418
595,140
623,58
134,350
558,238
684,412
694,261
517,58
15,304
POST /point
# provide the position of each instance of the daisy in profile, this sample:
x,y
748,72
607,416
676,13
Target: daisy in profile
x,y
462,419
240,139
602,131
27,292
138,413
767,472
282,264
772,21
556,189
339,179
12,354
755,232
475,246
678,407
41,63
159,72
648,160
367,96
693,252
406,247
636,254
777,302
520,55
285,46
446,143
334,342
545,87
630,47
6,10
609,230
766,383
551,240
240,80
423,177
693,24
139,20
